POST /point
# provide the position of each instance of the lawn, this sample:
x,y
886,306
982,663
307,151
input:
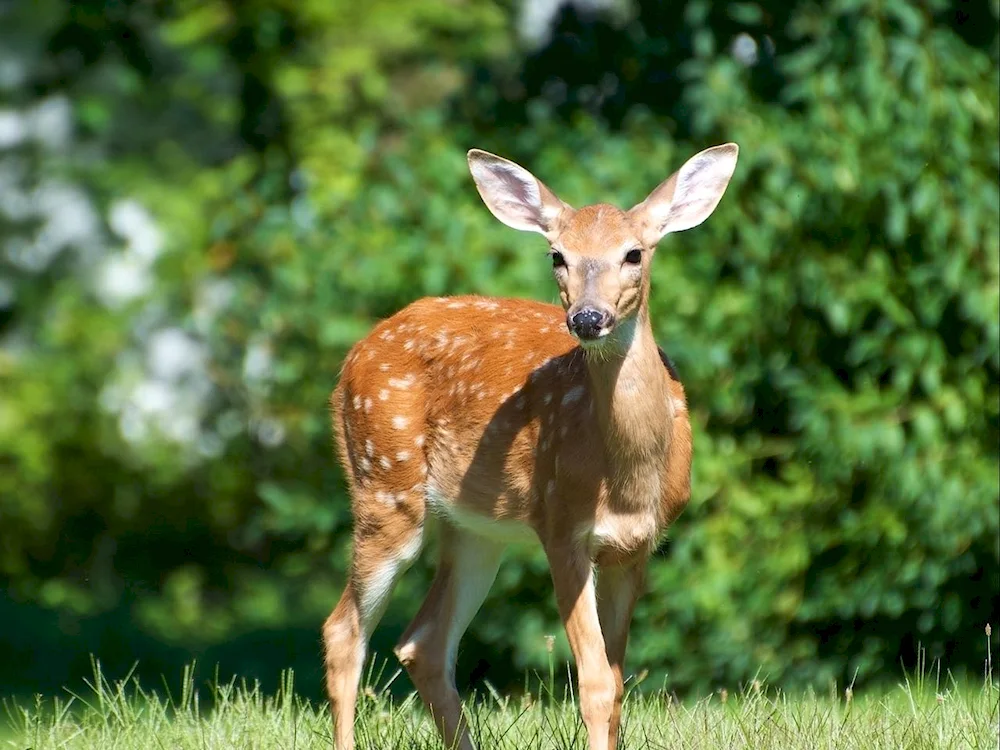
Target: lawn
x,y
925,711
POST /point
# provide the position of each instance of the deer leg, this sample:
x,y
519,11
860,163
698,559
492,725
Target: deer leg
x,y
383,548
573,579
618,588
429,647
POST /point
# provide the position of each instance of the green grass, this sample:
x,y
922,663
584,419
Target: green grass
x,y
924,712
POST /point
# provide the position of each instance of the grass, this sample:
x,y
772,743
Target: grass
x,y
921,713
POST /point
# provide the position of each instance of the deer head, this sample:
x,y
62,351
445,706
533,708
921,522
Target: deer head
x,y
601,255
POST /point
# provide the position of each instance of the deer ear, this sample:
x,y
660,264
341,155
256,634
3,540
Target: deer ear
x,y
689,196
515,196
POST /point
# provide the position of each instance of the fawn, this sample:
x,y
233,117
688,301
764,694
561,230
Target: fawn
x,y
510,420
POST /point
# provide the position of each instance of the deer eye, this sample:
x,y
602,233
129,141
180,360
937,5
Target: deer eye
x,y
634,256
558,261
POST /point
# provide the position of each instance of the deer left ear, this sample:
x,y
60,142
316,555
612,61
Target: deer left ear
x,y
515,196
689,196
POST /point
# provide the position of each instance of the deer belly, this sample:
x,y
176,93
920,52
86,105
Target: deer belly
x,y
505,530
618,538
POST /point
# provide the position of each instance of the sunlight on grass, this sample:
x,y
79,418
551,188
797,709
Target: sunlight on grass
x,y
927,711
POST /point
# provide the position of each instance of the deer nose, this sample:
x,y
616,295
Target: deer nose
x,y
588,323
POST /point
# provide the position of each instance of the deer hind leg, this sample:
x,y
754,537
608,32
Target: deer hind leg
x,y
429,647
386,542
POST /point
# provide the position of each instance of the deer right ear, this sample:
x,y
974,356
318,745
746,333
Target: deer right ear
x,y
515,196
689,196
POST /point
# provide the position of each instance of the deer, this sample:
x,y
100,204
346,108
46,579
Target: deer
x,y
510,420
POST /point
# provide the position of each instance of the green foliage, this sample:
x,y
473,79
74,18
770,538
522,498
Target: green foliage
x,y
302,171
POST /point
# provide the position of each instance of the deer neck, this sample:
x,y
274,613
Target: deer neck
x,y
632,406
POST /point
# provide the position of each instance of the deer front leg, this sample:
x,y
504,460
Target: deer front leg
x,y
618,588
573,579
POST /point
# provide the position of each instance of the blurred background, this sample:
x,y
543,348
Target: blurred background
x,y
204,203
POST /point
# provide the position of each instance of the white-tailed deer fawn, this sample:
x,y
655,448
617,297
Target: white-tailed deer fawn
x,y
513,419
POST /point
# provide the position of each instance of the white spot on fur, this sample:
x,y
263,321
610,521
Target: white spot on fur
x,y
365,464
357,402
369,448
376,591
368,405
623,530
383,395
403,456
407,651
385,463
402,383
419,440
547,398
411,550
400,422
572,395
384,367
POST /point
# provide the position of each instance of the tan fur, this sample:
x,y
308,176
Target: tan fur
x,y
500,393
490,414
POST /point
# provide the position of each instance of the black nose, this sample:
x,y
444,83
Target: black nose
x,y
587,323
